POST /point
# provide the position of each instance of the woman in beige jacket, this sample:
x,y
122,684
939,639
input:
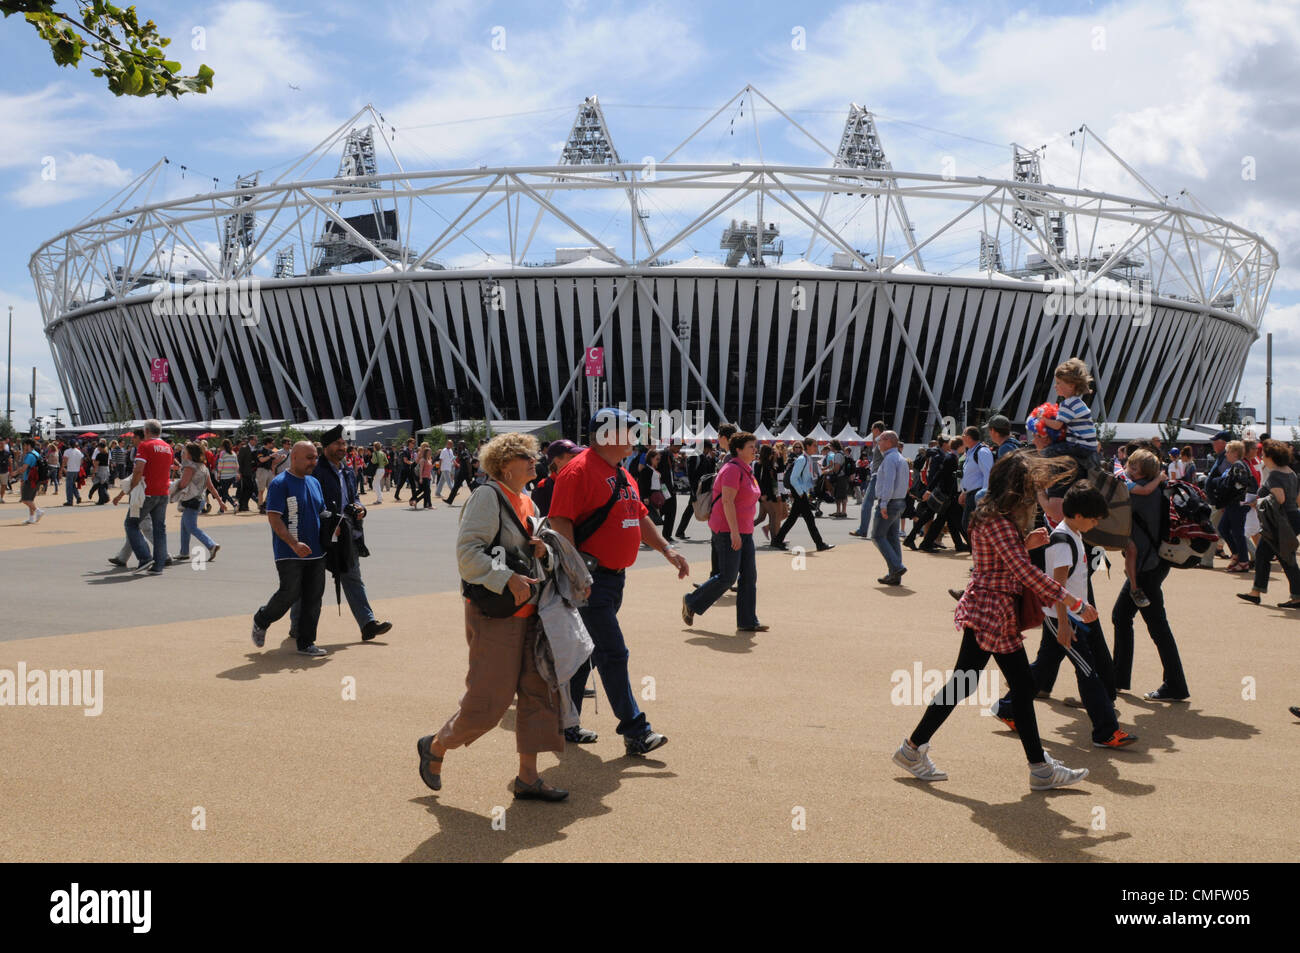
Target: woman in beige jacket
x,y
501,651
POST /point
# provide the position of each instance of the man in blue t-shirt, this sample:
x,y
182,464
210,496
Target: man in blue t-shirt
x,y
294,504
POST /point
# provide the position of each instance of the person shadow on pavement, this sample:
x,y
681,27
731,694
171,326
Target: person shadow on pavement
x,y
270,661
464,835
1029,826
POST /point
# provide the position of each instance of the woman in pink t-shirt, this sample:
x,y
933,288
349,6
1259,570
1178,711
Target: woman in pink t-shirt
x,y
735,501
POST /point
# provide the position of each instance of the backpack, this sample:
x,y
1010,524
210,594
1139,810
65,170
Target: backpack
x,y
704,496
1184,533
42,469
785,475
1189,533
1229,487
1114,531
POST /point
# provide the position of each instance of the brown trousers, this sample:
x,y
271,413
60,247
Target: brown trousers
x,y
501,666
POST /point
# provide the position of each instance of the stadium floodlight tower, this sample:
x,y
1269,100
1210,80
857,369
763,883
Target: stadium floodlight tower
x,y
1025,167
861,148
349,242
284,263
590,144
237,237
990,253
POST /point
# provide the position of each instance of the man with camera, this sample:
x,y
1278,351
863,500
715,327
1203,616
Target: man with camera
x,y
343,514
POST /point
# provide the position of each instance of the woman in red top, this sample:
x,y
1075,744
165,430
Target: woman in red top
x,y
988,615
735,501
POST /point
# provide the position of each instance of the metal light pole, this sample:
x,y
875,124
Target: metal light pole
x,y
9,371
491,288
1268,380
684,339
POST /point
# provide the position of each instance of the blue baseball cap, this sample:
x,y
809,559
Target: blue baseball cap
x,y
614,419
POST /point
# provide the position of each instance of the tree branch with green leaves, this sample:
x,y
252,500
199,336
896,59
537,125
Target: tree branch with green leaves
x,y
130,54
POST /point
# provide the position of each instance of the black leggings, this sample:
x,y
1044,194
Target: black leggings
x,y
971,660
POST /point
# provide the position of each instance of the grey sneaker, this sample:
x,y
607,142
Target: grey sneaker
x,y
918,762
259,635
315,651
1053,774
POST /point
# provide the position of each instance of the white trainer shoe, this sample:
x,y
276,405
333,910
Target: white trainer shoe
x,y
918,763
1053,774
39,513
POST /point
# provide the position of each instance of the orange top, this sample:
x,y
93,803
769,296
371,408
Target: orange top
x,y
523,505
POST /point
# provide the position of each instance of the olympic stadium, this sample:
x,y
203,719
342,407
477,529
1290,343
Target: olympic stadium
x,y
741,289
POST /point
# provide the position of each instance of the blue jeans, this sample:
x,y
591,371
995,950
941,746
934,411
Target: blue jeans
x,y
70,488
355,592
884,532
868,506
190,527
968,508
732,564
154,508
1232,527
600,616
1093,689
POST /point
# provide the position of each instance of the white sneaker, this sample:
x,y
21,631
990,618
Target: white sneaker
x,y
39,513
918,762
1053,774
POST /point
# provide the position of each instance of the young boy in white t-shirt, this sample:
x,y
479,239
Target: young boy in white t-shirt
x,y
1066,559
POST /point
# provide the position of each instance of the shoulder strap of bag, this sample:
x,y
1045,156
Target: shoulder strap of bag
x,y
505,506
1076,554
717,494
584,530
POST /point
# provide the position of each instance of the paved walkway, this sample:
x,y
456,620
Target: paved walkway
x,y
769,732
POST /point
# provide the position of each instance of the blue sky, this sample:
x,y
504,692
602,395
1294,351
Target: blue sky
x,y
1184,91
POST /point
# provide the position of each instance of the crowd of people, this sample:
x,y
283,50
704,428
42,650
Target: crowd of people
x,y
549,530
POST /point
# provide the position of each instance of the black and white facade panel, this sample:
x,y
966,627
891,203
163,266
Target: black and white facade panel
x,y
751,345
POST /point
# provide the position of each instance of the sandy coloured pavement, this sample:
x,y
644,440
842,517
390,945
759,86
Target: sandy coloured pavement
x,y
765,730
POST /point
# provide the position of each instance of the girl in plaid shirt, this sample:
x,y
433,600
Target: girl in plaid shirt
x,y
988,615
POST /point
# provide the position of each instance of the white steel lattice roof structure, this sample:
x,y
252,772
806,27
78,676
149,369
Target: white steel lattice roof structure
x,y
860,330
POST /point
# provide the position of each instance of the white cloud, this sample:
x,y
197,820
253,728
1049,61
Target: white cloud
x,y
256,50
64,178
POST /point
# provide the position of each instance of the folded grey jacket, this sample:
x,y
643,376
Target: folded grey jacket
x,y
1276,528
566,645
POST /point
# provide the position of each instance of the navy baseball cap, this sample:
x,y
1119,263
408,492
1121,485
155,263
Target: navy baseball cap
x,y
1224,435
559,448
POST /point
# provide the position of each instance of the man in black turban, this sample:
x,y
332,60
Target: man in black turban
x,y
341,532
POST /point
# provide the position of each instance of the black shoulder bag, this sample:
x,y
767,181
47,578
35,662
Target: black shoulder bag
x,y
500,605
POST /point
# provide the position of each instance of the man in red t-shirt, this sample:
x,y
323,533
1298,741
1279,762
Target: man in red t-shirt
x,y
153,465
610,537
